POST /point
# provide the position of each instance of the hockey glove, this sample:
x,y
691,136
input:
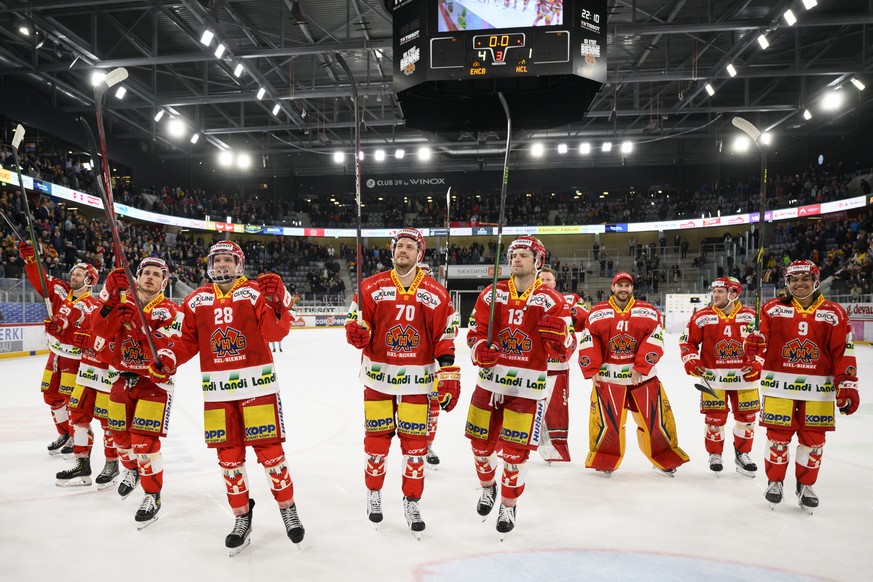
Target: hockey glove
x,y
51,327
448,380
754,345
553,331
87,341
128,315
694,367
116,283
274,289
752,371
485,356
357,335
27,253
848,399
167,360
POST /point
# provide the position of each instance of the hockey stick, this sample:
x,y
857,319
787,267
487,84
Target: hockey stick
x,y
105,189
359,252
12,227
16,141
755,134
705,387
500,219
448,235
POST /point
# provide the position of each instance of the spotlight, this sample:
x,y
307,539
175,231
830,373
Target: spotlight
x,y
225,158
238,70
607,146
399,153
219,50
766,138
810,4
709,89
159,115
731,70
562,148
379,155
97,77
832,101
789,17
243,161
24,30
585,148
207,37
195,138
762,40
742,144
261,93
120,93
627,147
424,153
807,115
858,84
536,150
176,128
339,157
276,109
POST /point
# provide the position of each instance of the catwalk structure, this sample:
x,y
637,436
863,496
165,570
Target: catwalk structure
x,y
574,523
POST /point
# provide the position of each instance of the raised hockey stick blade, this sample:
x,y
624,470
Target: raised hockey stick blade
x,y
746,127
502,211
17,137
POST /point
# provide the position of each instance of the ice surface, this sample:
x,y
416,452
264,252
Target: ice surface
x,y
572,523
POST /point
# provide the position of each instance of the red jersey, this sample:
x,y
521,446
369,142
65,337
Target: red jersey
x,y
410,329
616,340
523,362
578,315
809,351
232,332
75,309
128,349
93,372
716,338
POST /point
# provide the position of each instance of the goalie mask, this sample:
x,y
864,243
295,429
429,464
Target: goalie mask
x,y
226,247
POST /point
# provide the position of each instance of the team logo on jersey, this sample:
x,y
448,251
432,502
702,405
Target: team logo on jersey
x,y
131,352
652,358
851,371
227,342
800,352
623,344
402,338
584,361
728,350
513,342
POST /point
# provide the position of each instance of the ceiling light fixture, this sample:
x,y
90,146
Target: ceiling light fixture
x,y
207,37
731,70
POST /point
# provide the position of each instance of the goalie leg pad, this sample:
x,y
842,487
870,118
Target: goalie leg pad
x,y
656,427
557,417
808,458
606,422
148,458
776,462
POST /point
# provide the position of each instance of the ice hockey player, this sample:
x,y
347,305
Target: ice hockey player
x,y
230,323
712,348
531,324
69,303
809,369
554,447
403,321
618,350
141,399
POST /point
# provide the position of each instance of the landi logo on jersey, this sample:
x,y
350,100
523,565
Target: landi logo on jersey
x,y
800,352
131,352
227,342
728,350
513,342
623,344
402,338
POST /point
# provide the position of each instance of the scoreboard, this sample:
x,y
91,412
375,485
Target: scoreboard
x,y
444,40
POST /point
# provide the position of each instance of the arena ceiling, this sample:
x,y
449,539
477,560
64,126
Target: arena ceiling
x,y
661,56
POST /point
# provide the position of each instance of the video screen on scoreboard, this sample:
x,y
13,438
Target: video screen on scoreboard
x,y
458,15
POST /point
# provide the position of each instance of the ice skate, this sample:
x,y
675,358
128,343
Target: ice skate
x,y
431,457
606,473
293,526
147,513
67,449
665,472
773,493
505,520
374,505
413,516
58,444
715,463
806,498
486,500
128,483
745,466
107,476
77,476
240,536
